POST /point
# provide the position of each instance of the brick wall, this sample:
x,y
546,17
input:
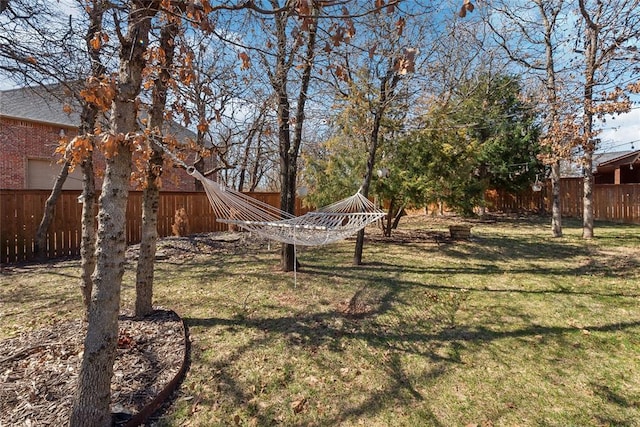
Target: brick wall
x,y
23,140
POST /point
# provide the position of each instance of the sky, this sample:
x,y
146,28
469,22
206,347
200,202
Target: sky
x,y
618,134
621,133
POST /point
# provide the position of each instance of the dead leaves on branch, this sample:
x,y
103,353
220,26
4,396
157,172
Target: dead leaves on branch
x,y
100,92
98,40
245,59
467,6
390,7
561,138
634,87
615,102
77,150
406,63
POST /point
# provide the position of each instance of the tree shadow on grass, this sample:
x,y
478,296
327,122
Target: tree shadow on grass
x,y
328,329
506,248
619,401
371,273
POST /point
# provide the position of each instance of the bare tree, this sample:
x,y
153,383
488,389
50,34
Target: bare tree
x,y
91,406
290,47
53,53
164,55
611,34
526,33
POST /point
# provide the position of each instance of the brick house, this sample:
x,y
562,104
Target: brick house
x,y
32,121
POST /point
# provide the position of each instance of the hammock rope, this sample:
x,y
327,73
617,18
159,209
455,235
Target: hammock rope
x,y
323,226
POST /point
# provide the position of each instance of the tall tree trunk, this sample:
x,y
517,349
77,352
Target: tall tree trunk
x,y
151,193
288,252
88,118
556,209
279,78
286,204
364,190
387,87
149,237
47,216
549,16
592,30
92,404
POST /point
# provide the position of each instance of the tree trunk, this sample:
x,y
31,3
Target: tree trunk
x,y
396,220
387,86
287,204
92,404
289,149
279,83
88,234
588,144
199,166
88,119
151,193
386,228
47,216
587,214
148,239
373,147
556,209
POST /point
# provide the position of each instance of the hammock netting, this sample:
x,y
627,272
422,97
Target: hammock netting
x,y
325,225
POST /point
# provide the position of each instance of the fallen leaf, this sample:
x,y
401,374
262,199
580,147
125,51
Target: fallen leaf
x,y
298,405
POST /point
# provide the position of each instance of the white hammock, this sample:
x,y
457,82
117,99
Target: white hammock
x,y
325,225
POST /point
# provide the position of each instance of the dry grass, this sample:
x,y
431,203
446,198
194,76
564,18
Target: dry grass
x,y
511,328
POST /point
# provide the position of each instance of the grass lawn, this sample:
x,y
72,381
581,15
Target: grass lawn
x,y
512,328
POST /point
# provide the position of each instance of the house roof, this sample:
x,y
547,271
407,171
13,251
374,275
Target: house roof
x,y
55,105
40,104
602,162
616,159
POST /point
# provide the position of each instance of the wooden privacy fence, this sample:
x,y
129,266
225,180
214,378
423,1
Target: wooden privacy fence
x,y
21,212
611,202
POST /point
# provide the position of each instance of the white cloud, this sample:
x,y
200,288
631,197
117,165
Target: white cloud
x,y
622,132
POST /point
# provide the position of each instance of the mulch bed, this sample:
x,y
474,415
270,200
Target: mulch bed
x,y
39,369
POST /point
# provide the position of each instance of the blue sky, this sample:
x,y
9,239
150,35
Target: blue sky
x,y
619,133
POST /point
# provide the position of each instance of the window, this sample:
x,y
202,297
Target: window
x,y
41,174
